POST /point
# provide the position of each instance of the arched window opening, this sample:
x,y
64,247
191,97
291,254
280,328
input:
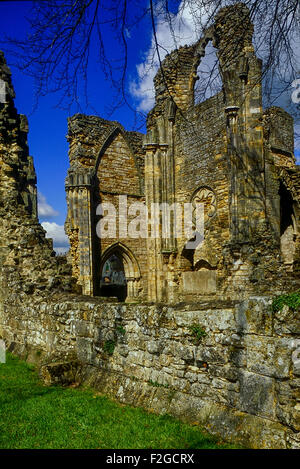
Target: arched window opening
x,y
187,259
113,281
120,274
209,81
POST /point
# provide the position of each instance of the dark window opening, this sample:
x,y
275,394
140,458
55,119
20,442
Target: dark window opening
x,y
286,209
287,234
113,280
203,265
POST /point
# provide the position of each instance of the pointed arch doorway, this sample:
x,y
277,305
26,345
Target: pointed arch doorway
x,y
120,273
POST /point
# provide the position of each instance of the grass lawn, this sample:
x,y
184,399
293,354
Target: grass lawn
x,y
35,416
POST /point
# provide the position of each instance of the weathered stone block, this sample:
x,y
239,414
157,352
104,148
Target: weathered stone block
x,y
257,394
268,356
202,282
85,349
254,316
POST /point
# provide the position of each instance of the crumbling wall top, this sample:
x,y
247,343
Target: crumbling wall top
x,y
233,31
88,134
5,76
231,34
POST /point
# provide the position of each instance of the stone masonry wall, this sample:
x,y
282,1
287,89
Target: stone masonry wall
x,y
118,175
240,377
27,261
233,157
201,162
105,162
240,380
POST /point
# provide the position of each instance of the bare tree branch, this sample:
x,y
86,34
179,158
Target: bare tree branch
x,y
57,51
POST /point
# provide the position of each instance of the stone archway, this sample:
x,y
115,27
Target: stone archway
x,y
124,273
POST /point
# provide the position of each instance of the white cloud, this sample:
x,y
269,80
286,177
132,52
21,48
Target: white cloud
x,y
57,233
61,250
187,27
44,209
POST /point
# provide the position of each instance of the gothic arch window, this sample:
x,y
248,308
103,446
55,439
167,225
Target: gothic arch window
x,y
113,281
120,273
208,82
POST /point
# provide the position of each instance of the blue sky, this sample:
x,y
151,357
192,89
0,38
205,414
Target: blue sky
x,y
48,125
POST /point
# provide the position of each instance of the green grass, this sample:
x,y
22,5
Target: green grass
x,y
35,416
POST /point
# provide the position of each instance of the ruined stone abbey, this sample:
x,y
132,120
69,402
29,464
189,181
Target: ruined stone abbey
x,y
225,152
241,379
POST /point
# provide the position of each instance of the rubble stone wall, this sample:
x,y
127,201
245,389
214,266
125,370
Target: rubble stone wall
x,y
227,364
239,378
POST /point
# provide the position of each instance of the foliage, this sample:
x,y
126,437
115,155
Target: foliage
x,y
109,346
292,300
197,332
156,384
35,416
121,330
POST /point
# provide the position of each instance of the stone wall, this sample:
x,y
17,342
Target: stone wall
x,y
232,156
106,162
226,153
27,261
239,379
198,351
